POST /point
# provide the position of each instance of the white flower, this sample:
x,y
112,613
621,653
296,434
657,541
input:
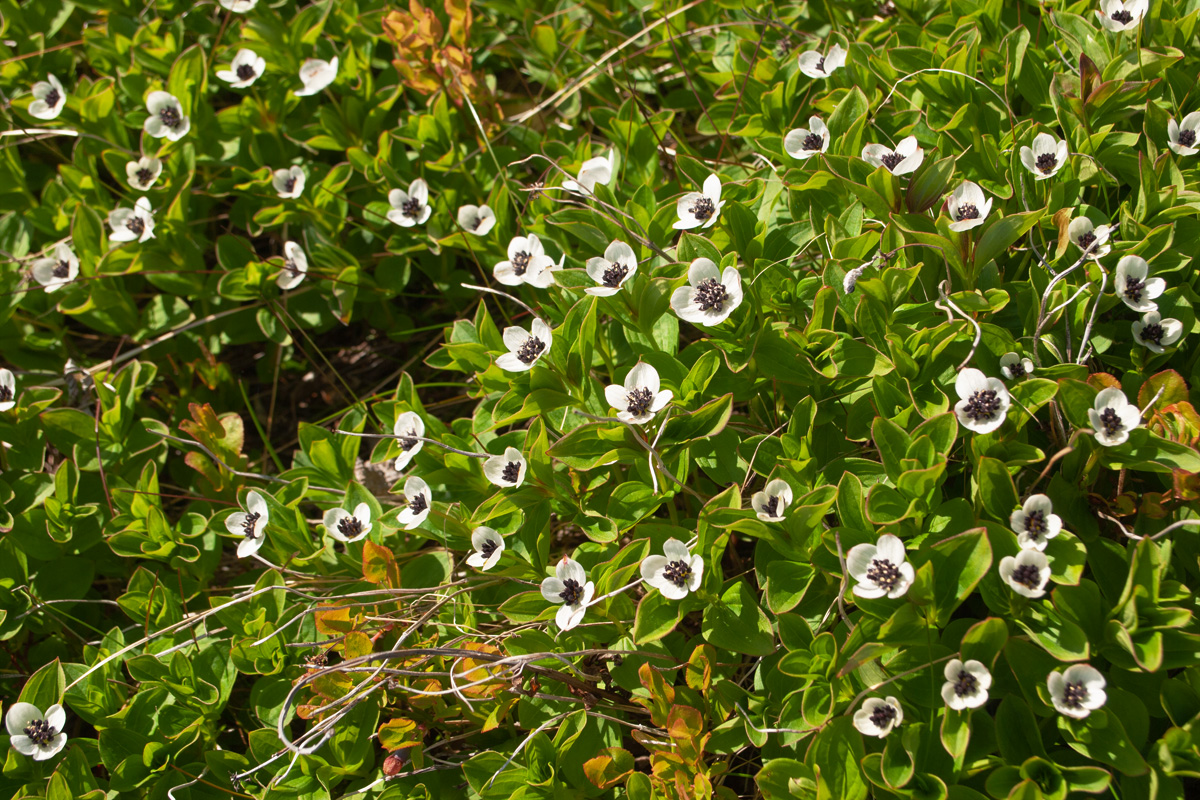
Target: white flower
x,y
316,74
967,206
1113,417
8,389
143,173
49,98
411,207
488,545
417,500
295,266
238,6
815,65
1046,157
966,684
676,572
983,402
527,263
478,220
166,117
1116,15
132,224
34,734
617,265
880,569
1014,367
772,501
58,271
878,717
710,297
409,429
639,399
803,143
246,68
1035,522
905,158
508,470
1156,333
1027,573
1133,287
1181,137
250,526
1077,691
571,588
1091,239
700,209
594,170
288,182
347,527
525,347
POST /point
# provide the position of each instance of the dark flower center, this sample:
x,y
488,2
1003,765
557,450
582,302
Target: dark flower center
x,y
512,471
1086,240
1122,16
710,295
1027,575
982,406
821,64
170,117
488,548
520,263
572,592
1046,162
417,504
640,400
1133,288
249,524
245,72
52,98
411,207
1017,369
1153,333
703,208
136,224
967,211
1111,421
678,573
883,715
350,527
966,684
61,270
289,184
1035,523
891,160
291,266
615,273
884,574
812,142
6,394
529,352
1187,137
144,175
1074,695
40,732
410,441
771,507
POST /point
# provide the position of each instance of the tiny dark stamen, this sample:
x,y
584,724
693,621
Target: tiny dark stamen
x,y
1111,421
61,270
488,548
1086,240
411,207
409,441
615,273
711,295
982,406
883,715
1187,137
136,224
1123,17
1046,162
52,97
1027,575
245,72
1017,369
966,684
1035,524
1074,695
40,732
512,471
170,117
6,394
1133,288
529,352
417,504
572,592
812,142
144,175
884,574
891,160
821,64
678,573
350,527
771,507
290,184
249,524
520,263
640,400
1153,333
967,211
703,208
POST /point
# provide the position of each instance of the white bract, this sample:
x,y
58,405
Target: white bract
x,y
1134,287
295,266
247,66
700,209
8,389
1113,417
967,206
412,207
878,717
166,117
489,546
710,296
132,224
905,158
1014,366
417,502
814,64
676,572
1156,333
527,263
1091,239
1077,691
251,525
143,173
316,74
289,182
983,401
640,398
570,587
1118,15
35,734
594,171
508,470
53,273
1181,137
408,429
1026,573
804,143
1046,157
238,6
617,265
347,527
967,684
770,504
1035,522
524,347
49,98
880,569
478,220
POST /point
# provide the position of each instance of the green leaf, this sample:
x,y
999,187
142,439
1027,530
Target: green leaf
x,y
1003,234
996,489
737,623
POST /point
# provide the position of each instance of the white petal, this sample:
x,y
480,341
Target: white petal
x,y
19,716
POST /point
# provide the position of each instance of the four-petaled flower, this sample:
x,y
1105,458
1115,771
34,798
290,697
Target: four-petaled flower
x,y
611,270
1134,287
1046,157
478,220
35,734
527,263
8,389
967,684
488,545
710,296
238,6
676,572
525,347
1118,15
347,527
967,206
132,224
247,66
1156,333
804,143
1091,239
1182,136
1035,522
905,158
411,207
700,209
880,569
1026,573
640,398
1077,691
594,171
316,74
570,587
166,117
770,504
58,271
507,470
143,173
295,267
1014,367
288,182
878,717
408,429
417,502
983,401
251,524
814,64
49,98
1113,417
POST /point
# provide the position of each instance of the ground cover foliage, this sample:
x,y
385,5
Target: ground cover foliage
x,y
707,399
